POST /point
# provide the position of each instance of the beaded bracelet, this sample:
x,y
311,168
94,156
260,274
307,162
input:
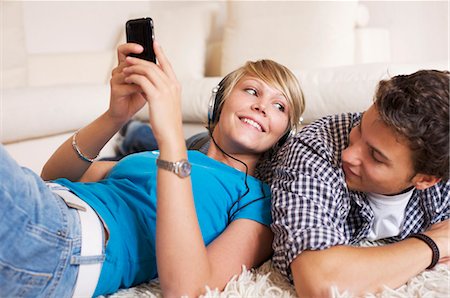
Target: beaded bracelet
x,y
78,151
432,245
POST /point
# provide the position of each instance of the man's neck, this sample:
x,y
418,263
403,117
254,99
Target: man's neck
x,y
401,192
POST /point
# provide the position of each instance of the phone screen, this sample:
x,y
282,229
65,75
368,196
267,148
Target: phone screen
x,y
140,31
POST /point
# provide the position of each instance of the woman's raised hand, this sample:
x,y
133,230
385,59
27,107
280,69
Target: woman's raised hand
x,y
126,99
162,91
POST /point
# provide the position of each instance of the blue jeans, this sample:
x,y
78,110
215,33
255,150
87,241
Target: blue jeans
x,y
40,236
137,137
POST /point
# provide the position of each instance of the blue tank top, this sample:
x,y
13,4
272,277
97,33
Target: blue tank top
x,y
126,201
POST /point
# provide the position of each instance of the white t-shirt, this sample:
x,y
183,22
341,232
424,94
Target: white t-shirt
x,y
389,213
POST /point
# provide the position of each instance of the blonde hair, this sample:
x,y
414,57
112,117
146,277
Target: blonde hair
x,y
275,75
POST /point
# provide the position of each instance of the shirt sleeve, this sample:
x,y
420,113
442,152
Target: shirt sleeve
x,y
308,206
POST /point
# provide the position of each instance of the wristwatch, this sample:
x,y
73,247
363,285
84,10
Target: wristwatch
x,y
182,167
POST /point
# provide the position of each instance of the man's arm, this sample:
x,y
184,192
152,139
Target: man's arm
x,y
366,269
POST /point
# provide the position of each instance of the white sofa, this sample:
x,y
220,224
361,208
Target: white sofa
x,y
53,86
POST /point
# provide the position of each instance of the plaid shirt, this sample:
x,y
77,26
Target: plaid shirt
x,y
312,208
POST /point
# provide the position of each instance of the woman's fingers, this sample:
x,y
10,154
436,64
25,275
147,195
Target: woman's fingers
x,y
119,68
121,88
148,69
125,90
142,82
126,49
156,81
163,61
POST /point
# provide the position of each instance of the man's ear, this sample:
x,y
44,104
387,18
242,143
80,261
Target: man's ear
x,y
424,181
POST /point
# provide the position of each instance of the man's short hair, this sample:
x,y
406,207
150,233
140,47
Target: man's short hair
x,y
416,107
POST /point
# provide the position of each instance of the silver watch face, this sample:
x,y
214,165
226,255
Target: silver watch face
x,y
183,168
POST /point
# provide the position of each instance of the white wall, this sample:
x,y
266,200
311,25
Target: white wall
x,y
419,30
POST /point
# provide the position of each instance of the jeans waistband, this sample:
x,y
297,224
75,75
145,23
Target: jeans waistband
x,y
92,239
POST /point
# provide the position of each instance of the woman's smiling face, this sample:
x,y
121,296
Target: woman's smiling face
x,y
253,118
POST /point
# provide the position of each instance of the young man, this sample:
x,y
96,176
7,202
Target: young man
x,y
378,175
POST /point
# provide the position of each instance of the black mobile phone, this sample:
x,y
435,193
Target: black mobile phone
x,y
140,31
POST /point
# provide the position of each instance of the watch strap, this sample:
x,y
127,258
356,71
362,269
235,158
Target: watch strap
x,y
182,168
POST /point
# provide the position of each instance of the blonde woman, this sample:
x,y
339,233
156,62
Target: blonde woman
x,y
188,218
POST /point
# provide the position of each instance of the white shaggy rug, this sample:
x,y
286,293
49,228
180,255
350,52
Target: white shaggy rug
x,y
266,282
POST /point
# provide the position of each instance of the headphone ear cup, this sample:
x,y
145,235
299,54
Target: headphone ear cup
x,y
215,102
212,105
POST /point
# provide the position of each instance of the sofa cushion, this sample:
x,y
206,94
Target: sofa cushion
x,y
301,34
70,68
351,88
42,111
34,153
195,95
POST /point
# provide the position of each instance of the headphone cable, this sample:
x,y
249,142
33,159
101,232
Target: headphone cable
x,y
247,188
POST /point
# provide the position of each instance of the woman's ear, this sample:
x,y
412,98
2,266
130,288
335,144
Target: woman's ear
x,y
423,181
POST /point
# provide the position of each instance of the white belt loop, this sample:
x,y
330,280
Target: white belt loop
x,y
91,243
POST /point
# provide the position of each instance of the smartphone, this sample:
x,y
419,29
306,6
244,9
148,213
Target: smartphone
x,y
140,31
